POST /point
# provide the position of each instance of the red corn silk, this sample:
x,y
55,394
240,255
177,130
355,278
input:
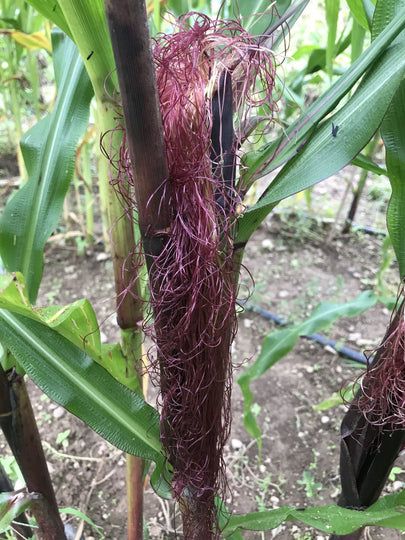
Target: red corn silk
x,y
193,285
382,399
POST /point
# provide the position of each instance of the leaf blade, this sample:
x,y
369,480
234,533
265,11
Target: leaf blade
x,y
70,377
325,154
332,519
48,149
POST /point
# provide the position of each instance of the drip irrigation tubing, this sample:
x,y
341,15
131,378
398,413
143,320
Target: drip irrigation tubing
x,y
318,338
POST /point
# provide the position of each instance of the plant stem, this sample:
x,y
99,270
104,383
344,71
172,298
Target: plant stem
x,y
88,193
372,147
135,469
20,526
15,105
20,429
129,32
120,226
34,80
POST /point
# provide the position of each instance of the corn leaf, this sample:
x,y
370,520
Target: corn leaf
x,y
48,149
393,135
368,164
358,12
332,16
258,15
277,344
71,378
85,23
12,505
76,322
332,519
37,40
324,154
345,395
51,10
297,134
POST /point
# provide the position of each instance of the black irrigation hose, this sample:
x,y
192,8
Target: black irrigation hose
x,y
318,338
368,230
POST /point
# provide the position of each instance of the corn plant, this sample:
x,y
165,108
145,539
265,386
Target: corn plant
x,y
172,188
22,35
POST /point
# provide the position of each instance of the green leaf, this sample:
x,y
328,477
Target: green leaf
x,y
332,16
77,322
384,13
12,505
71,378
178,7
51,10
49,150
332,519
80,515
274,154
345,395
358,12
277,344
90,33
324,154
251,13
87,26
393,135
358,35
258,16
368,164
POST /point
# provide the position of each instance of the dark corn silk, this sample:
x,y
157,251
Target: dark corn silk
x,y
382,398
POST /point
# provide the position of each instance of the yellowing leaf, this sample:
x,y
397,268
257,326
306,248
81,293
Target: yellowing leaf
x,y
37,40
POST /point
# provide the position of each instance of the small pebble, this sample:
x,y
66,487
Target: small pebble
x,y
236,444
58,412
325,419
247,323
330,349
102,256
267,244
362,342
283,294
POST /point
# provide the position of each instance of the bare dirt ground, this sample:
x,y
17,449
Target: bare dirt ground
x,y
295,265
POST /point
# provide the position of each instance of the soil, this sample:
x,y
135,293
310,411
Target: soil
x,y
296,262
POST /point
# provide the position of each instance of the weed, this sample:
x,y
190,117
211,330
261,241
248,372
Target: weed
x,y
62,438
300,536
395,471
11,469
310,486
